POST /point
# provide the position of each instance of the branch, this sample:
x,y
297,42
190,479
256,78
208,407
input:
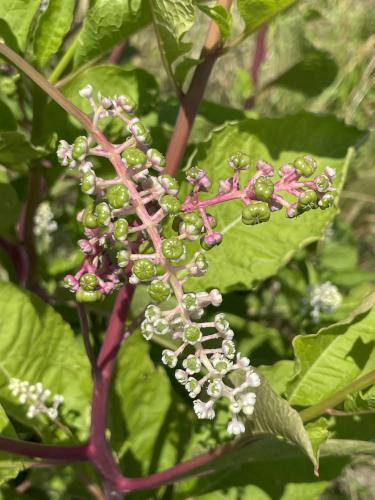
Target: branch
x,y
73,453
258,59
191,100
83,319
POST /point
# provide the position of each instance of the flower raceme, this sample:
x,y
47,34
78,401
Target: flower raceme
x,y
137,229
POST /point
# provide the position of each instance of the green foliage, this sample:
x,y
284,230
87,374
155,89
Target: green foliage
x,y
257,12
53,25
107,23
221,16
9,204
279,141
19,16
34,347
10,465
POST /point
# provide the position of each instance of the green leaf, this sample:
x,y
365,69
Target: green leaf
x,y
183,68
253,253
111,80
10,465
362,401
221,16
107,23
53,25
7,35
273,415
16,148
278,374
316,71
318,433
37,345
257,12
7,119
9,206
335,356
19,15
172,20
140,402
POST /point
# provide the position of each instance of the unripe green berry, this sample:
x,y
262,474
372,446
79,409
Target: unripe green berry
x,y
169,184
156,158
103,213
255,213
118,196
172,248
327,201
120,229
322,183
307,200
88,282
239,161
170,204
88,182
123,258
89,220
144,269
263,188
159,290
192,334
79,147
139,131
134,157
88,296
304,166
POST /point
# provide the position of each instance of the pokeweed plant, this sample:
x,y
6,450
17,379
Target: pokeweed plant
x,y
141,226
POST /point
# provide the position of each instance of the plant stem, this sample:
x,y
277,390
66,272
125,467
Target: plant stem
x,y
337,398
64,61
83,319
189,102
259,57
76,453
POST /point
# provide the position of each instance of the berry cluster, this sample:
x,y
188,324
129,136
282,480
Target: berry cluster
x,y
137,230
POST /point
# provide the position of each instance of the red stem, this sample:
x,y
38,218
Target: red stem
x,y
73,453
259,56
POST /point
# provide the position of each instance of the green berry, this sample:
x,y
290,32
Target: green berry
x,y
239,161
88,296
322,183
170,204
139,131
255,213
79,147
118,196
120,229
134,157
123,258
144,269
103,213
305,166
88,282
89,220
169,184
326,201
156,158
192,334
173,248
307,200
88,182
263,188
159,290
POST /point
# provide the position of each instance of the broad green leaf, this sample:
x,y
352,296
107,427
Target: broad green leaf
x,y
140,402
107,23
7,36
183,68
273,415
9,206
172,20
257,12
19,15
250,254
53,25
318,434
362,401
10,465
37,345
278,374
111,80
270,469
221,16
335,356
16,148
311,75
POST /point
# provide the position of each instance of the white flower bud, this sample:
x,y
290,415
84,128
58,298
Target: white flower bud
x,y
86,91
216,297
235,427
204,410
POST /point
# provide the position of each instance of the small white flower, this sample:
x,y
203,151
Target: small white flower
x,y
253,379
204,410
193,387
221,364
324,298
181,376
192,364
86,91
235,427
229,348
216,297
221,324
215,388
242,362
169,358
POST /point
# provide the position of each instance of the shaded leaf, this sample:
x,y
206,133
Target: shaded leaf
x,y
19,15
10,465
9,206
333,357
257,12
362,401
53,25
16,148
107,23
